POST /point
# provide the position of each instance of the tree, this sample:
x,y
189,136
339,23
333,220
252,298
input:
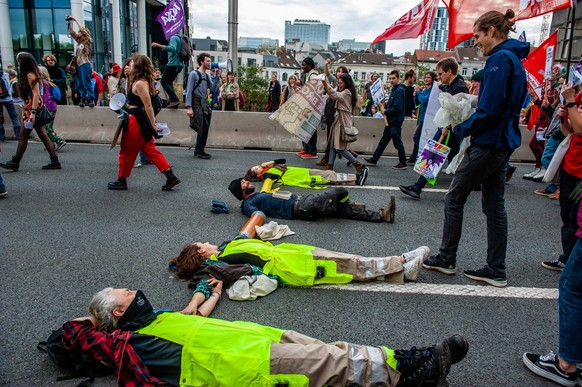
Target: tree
x,y
254,87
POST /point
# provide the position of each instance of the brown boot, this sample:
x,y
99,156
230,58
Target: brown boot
x,y
323,161
359,166
328,167
387,213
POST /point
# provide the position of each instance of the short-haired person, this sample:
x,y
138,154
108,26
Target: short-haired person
x,y
409,80
138,134
452,83
308,73
394,112
333,203
172,68
158,348
83,55
199,84
495,134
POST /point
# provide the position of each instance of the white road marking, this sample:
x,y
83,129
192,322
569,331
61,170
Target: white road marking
x,y
388,188
449,290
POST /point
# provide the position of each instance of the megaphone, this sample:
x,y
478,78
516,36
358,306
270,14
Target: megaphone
x,y
117,102
222,65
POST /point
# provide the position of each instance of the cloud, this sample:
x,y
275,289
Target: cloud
x,y
348,20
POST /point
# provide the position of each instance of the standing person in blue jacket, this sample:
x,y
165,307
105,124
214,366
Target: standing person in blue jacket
x,y
172,69
495,134
394,112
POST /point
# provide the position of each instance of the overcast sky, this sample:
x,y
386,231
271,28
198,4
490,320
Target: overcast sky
x,y
363,22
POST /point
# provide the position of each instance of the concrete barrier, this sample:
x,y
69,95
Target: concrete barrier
x,y
233,130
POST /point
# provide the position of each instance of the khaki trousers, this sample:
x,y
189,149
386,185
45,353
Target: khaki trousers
x,y
334,364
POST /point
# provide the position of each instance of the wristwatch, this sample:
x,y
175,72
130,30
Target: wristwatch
x,y
570,104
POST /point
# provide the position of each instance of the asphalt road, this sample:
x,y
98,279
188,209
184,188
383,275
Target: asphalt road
x,y
65,236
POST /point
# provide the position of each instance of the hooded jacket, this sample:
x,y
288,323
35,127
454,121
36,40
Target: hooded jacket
x,y
495,123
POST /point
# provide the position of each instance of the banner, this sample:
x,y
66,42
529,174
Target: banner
x,y
301,114
377,92
412,24
172,18
464,13
537,62
534,8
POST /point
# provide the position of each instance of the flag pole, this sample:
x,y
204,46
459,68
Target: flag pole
x,y
571,42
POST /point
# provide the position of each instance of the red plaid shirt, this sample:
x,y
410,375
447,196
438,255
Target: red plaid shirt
x,y
113,349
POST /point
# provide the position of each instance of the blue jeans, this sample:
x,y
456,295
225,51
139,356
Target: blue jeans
x,y
485,167
13,117
455,145
84,82
570,307
549,150
344,152
2,186
393,133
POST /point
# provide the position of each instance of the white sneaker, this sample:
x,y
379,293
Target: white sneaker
x,y
422,251
412,268
540,175
529,176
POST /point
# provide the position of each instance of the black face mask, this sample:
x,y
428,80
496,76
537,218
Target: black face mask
x,y
139,313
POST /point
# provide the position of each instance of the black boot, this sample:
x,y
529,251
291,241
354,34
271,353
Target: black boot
x,y
118,185
171,180
54,164
13,164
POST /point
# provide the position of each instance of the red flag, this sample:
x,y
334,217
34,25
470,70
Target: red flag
x,y
539,62
412,24
535,8
464,13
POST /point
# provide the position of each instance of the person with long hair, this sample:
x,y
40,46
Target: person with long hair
x,y
289,89
141,127
346,99
229,93
30,81
293,264
51,104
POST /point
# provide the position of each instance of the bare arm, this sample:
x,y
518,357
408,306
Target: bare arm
x,y
575,122
143,91
35,87
202,306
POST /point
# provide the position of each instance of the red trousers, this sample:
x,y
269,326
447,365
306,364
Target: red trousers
x,y
132,142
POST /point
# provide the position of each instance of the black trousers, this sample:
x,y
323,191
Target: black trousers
x,y
333,203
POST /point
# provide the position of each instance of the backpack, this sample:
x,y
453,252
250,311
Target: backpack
x,y
79,363
185,49
55,92
4,93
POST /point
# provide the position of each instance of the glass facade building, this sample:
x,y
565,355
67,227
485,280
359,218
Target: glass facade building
x,y
39,27
312,31
438,36
254,43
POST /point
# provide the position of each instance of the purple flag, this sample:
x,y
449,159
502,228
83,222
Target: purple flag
x,y
172,18
522,37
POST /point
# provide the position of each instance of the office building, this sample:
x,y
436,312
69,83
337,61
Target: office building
x,y
312,31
